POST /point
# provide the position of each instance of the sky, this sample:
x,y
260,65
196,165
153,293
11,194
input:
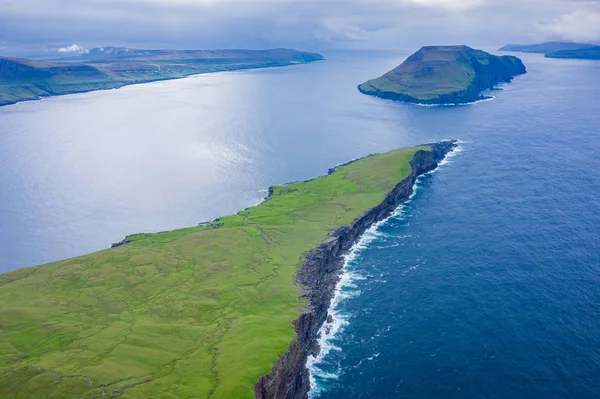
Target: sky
x,y
45,28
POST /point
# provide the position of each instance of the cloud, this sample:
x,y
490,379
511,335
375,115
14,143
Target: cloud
x,y
73,48
578,25
450,4
27,26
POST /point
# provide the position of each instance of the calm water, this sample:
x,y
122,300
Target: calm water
x,y
487,284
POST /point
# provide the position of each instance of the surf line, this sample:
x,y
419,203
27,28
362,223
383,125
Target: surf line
x,y
346,288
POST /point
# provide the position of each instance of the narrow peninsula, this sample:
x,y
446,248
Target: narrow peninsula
x,y
112,67
444,75
230,309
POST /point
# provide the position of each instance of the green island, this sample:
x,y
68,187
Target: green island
x,y
444,75
113,67
197,312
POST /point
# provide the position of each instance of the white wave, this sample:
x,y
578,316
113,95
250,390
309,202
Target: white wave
x,y
490,98
457,150
337,320
345,289
368,359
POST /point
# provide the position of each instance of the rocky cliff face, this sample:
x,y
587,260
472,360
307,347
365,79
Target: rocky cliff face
x,y
318,276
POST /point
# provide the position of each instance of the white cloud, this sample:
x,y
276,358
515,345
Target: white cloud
x,y
73,48
304,24
450,4
333,30
578,25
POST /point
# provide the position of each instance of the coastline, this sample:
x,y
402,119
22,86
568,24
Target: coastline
x,y
118,85
335,321
319,276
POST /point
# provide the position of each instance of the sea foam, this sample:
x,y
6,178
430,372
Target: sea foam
x,y
347,288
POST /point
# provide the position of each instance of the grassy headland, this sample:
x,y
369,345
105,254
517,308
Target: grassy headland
x,y
444,75
109,67
197,312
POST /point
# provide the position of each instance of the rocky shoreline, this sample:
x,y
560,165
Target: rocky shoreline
x,y
318,277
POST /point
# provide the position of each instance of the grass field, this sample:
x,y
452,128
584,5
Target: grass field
x,y
197,312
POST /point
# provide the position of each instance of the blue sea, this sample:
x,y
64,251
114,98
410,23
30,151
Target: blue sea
x,y
486,284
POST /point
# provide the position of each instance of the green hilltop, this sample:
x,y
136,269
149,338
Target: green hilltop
x,y
444,75
197,312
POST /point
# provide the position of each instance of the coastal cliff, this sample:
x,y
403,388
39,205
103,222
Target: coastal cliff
x,y
319,275
444,75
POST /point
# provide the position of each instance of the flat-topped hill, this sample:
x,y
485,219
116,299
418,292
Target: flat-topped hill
x,y
444,75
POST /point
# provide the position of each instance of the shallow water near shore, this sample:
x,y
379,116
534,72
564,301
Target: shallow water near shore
x,y
486,284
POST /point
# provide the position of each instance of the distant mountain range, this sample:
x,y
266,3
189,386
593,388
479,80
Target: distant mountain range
x,y
558,49
111,67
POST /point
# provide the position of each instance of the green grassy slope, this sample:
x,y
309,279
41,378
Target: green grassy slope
x,y
22,79
200,312
444,74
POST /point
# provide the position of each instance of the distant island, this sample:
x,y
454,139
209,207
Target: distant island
x,y
545,48
584,51
444,75
112,67
589,53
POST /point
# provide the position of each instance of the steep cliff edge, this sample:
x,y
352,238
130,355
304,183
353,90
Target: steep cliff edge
x,y
444,75
319,275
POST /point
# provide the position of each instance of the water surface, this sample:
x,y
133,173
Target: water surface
x,y
485,285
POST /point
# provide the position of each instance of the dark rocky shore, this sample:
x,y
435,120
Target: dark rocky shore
x,y
319,275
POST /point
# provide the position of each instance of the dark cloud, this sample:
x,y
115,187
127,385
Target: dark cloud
x,y
35,26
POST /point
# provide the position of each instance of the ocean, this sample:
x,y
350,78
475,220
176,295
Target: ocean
x,y
486,284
